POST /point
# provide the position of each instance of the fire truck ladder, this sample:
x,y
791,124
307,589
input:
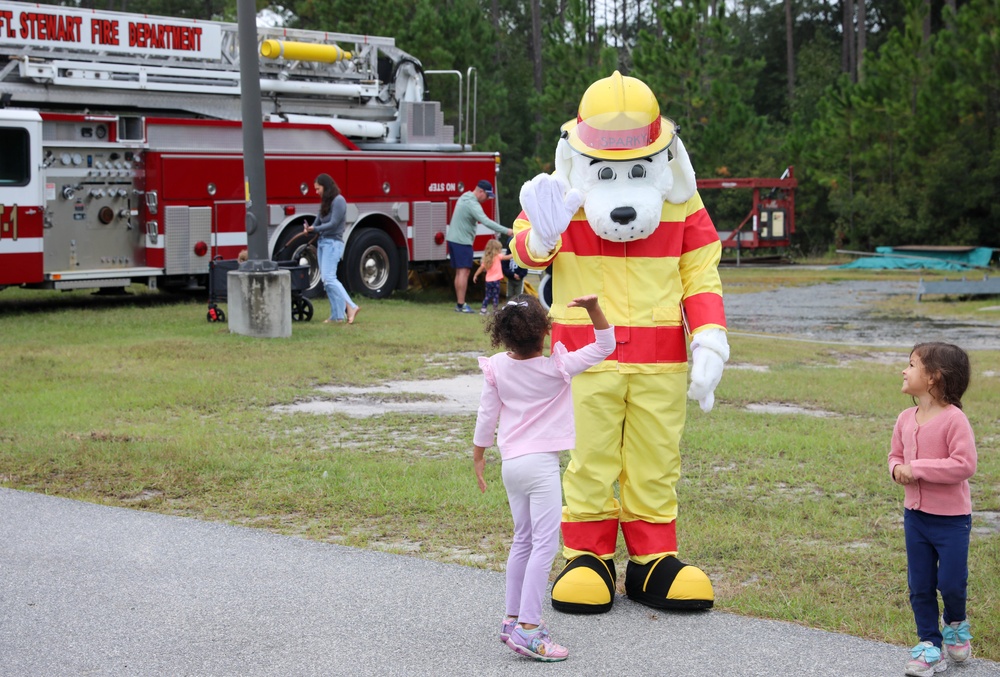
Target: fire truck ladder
x,y
313,73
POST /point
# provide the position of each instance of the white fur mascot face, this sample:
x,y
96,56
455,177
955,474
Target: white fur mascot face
x,y
624,198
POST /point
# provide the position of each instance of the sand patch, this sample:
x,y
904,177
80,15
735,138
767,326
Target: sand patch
x,y
784,408
458,395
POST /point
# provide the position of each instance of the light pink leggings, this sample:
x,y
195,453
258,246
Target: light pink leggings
x,y
535,496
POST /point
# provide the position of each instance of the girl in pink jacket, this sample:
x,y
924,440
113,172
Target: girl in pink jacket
x,y
529,394
933,455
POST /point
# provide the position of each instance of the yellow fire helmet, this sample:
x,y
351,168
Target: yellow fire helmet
x,y
619,119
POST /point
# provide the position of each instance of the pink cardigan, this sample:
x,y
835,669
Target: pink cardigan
x,y
942,453
532,398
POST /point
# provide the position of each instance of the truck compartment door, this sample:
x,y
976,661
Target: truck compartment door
x,y
21,197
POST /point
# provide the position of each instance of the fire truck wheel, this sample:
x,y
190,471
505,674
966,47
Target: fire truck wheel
x,y
371,263
293,248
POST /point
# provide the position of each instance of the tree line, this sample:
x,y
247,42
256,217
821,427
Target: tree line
x,y
888,110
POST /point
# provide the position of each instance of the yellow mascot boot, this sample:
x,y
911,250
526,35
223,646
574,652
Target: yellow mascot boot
x,y
668,583
585,586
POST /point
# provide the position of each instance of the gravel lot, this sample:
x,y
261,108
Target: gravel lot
x,y
843,312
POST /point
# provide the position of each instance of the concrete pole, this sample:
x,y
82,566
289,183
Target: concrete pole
x,y
259,294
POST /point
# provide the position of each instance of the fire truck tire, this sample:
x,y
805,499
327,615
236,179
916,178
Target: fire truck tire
x,y
371,263
307,255
293,248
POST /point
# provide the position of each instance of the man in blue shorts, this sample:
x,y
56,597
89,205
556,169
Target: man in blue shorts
x,y
461,234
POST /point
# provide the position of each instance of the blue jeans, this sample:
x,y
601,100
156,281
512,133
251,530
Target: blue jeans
x,y
937,558
330,252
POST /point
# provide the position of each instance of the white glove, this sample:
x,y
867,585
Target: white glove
x,y
550,205
709,351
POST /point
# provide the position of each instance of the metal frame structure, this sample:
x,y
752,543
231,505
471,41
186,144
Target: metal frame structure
x,y
771,219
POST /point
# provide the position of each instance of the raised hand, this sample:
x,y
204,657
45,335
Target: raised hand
x,y
550,205
593,308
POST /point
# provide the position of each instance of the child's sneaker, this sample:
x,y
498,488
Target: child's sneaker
x,y
957,645
464,308
536,644
925,660
506,627
482,311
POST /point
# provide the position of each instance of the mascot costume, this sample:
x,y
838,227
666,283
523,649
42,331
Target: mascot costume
x,y
621,218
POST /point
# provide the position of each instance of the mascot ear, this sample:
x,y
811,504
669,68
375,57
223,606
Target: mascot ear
x,y
564,160
683,174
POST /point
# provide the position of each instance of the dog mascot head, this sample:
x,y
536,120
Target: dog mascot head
x,y
616,154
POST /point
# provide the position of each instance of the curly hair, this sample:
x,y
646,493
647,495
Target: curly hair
x,y
520,326
949,366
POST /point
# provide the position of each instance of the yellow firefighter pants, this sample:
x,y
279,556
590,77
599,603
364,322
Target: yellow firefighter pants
x,y
628,429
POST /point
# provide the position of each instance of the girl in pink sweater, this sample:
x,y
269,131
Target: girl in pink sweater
x,y
529,394
933,455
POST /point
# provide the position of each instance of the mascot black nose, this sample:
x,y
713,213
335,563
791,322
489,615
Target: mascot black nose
x,y
623,215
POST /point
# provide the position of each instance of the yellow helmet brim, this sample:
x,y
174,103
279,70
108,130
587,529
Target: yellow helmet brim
x,y
617,137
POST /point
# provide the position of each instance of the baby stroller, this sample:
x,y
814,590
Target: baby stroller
x,y
218,271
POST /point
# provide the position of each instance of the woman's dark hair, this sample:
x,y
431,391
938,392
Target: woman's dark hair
x,y
949,366
330,191
520,326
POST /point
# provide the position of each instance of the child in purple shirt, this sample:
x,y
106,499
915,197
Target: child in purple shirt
x,y
933,455
529,394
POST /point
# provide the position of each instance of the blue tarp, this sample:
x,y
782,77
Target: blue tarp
x,y
889,262
918,259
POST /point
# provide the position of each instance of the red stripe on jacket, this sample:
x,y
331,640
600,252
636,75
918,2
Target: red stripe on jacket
x,y
699,231
702,309
635,345
671,238
521,246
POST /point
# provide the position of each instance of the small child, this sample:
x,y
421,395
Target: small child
x,y
933,455
515,276
492,264
530,396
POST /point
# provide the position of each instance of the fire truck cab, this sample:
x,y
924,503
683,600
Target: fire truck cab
x,y
23,195
122,150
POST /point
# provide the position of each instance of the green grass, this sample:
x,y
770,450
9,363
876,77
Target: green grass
x,y
141,403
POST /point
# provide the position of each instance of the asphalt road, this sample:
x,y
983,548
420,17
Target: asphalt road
x,y
94,590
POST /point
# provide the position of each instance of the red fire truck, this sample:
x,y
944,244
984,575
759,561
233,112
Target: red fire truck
x,y
122,156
